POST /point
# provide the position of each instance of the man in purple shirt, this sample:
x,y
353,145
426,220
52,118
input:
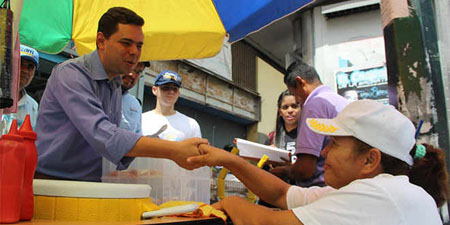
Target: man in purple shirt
x,y
80,111
318,101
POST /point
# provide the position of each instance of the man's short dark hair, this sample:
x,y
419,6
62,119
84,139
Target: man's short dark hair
x,y
300,69
108,23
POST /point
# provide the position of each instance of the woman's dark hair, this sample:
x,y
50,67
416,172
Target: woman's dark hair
x,y
108,23
279,125
428,172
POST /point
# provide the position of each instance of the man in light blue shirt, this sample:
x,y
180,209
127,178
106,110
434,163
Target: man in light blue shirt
x,y
29,62
131,107
80,111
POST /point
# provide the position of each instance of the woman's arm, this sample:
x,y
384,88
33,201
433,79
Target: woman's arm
x,y
265,185
243,212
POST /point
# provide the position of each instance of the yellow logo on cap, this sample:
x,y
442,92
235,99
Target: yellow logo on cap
x,y
27,53
322,127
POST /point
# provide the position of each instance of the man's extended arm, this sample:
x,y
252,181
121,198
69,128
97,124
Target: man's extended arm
x,y
176,151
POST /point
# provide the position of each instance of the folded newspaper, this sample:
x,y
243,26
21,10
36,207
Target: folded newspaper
x,y
252,150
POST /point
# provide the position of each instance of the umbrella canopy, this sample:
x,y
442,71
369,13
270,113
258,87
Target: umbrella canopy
x,y
174,29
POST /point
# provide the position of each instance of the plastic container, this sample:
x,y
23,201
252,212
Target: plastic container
x,y
29,137
90,201
169,181
12,161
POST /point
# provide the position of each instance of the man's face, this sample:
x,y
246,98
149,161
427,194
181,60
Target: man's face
x,y
121,51
298,91
166,94
130,79
27,69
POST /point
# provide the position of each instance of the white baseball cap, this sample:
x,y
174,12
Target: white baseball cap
x,y
378,125
30,54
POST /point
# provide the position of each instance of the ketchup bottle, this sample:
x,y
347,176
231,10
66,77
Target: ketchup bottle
x,y
29,136
12,161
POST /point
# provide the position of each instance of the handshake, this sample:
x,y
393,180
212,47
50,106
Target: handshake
x,y
193,153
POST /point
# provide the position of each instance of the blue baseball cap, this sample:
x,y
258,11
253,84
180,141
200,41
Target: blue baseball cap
x,y
167,76
30,54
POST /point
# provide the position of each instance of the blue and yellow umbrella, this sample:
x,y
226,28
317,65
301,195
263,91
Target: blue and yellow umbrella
x,y
174,29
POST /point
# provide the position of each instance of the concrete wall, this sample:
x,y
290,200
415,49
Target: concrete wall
x,y
209,90
334,31
442,14
270,84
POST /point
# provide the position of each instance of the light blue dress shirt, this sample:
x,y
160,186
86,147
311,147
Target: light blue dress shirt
x,y
131,113
78,121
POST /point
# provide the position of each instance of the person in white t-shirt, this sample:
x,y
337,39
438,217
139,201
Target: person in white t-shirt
x,y
168,124
376,173
179,126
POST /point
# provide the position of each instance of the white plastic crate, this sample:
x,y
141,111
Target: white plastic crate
x,y
169,182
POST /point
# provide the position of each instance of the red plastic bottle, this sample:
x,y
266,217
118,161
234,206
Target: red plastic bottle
x,y
12,161
29,137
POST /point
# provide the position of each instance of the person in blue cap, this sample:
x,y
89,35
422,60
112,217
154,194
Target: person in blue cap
x,y
179,126
29,62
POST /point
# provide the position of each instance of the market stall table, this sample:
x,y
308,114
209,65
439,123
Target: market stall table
x,y
160,221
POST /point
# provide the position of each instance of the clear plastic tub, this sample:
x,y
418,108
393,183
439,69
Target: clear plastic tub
x,y
169,182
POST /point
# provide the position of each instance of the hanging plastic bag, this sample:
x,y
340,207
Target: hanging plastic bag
x,y
6,21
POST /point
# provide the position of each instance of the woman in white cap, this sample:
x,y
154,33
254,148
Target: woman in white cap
x,y
375,171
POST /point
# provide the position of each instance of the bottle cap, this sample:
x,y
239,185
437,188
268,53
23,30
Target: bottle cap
x,y
13,133
26,130
13,127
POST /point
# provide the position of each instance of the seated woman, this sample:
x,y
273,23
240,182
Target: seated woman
x,y
376,172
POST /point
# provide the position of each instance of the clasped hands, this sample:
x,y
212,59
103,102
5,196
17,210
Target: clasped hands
x,y
193,153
